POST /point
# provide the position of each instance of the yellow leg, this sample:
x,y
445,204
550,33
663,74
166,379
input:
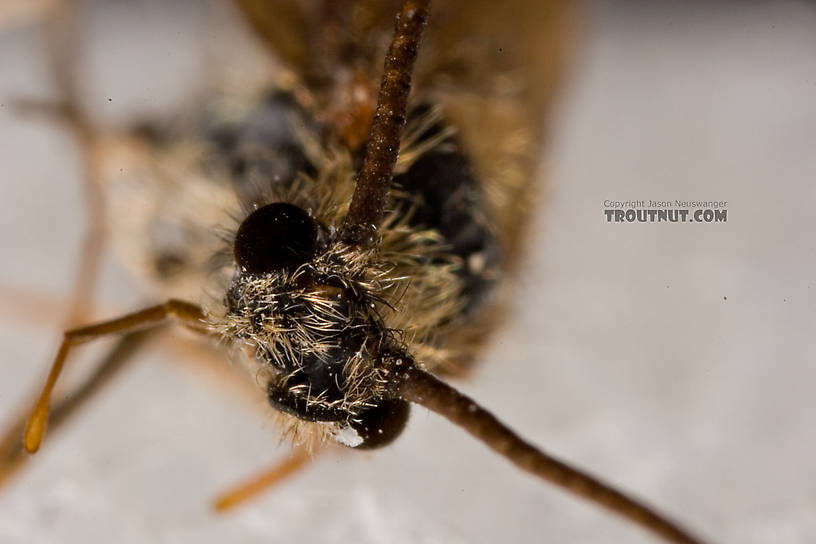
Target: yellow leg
x,y
183,312
261,482
12,453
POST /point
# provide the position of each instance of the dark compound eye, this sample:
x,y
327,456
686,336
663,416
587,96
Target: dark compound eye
x,y
380,425
275,237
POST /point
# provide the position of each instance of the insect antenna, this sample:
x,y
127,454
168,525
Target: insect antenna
x,y
422,388
368,202
412,384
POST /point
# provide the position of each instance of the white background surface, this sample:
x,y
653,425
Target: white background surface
x,y
623,355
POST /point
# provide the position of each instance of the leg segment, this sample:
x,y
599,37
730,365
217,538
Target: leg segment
x,y
12,453
261,482
185,313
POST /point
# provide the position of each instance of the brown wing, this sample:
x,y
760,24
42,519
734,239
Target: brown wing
x,y
336,48
316,37
494,69
492,66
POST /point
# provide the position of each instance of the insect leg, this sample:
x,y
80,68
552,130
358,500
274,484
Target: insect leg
x,y
12,453
93,238
184,351
60,36
30,307
13,456
185,313
62,42
259,483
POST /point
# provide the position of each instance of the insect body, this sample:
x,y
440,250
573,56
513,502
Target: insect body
x,y
354,266
451,227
